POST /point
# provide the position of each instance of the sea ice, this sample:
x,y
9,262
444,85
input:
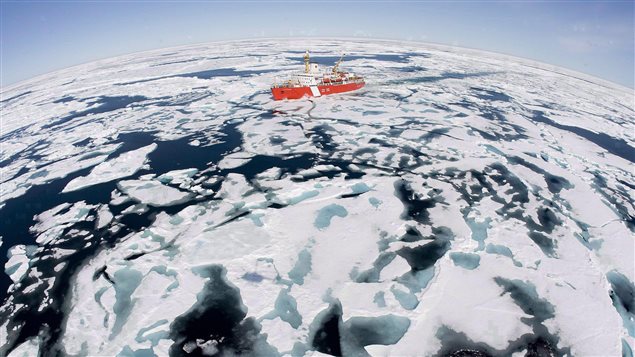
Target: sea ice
x,y
153,193
459,189
123,165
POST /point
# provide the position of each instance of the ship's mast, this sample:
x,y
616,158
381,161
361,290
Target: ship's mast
x,y
306,62
337,65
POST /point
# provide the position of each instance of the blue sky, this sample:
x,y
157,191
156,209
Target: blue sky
x,y
594,37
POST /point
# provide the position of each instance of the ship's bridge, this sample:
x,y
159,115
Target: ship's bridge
x,y
307,79
313,68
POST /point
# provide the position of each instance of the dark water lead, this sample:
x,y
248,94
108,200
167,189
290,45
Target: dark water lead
x,y
617,147
555,184
412,235
104,105
546,244
206,74
619,198
623,296
424,256
526,297
412,69
322,139
6,100
218,319
547,219
331,60
502,176
539,343
442,76
458,344
494,135
491,95
329,334
416,208
472,189
64,99
325,330
30,152
289,164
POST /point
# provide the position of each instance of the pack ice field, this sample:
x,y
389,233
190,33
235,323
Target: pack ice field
x,y
162,203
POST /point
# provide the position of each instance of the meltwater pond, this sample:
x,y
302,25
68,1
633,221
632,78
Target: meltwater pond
x,y
162,204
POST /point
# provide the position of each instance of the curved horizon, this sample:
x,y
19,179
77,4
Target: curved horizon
x,y
595,38
25,81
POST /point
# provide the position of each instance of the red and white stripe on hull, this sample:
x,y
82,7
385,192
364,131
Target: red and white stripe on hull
x,y
280,93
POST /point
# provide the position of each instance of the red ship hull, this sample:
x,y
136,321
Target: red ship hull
x,y
280,93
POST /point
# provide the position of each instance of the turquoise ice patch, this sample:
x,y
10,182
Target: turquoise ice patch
x,y
325,214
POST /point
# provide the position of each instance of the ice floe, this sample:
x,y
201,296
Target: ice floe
x,y
122,166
